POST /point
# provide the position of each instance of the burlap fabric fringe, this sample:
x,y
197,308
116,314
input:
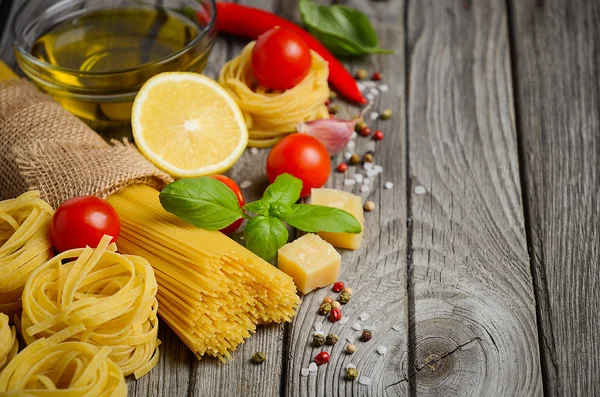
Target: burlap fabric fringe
x,y
44,147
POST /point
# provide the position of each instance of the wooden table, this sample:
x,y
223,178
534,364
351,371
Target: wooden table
x,y
486,284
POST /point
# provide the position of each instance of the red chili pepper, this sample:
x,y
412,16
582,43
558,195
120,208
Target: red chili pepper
x,y
252,22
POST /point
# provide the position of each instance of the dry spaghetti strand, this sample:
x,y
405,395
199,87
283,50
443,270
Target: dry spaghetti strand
x,y
112,296
53,367
270,115
24,245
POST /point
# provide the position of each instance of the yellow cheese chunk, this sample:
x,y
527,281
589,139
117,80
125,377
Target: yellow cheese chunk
x,y
344,201
311,261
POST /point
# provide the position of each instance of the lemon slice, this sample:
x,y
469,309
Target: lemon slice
x,y
188,125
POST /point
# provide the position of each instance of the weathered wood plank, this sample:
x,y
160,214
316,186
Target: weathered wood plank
x,y
556,47
474,309
377,271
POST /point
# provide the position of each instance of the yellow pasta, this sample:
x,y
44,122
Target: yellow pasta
x,y
112,296
270,115
212,291
24,245
9,345
52,367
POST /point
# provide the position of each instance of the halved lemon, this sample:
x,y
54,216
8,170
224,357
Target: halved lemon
x,y
188,125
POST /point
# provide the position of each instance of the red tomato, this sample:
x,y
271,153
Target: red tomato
x,y
238,193
302,156
280,59
83,221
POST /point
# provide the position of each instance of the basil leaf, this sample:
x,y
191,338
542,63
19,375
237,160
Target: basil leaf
x,y
343,30
264,235
319,218
203,202
284,190
279,210
259,207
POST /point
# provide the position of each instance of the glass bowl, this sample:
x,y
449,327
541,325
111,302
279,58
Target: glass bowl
x,y
98,84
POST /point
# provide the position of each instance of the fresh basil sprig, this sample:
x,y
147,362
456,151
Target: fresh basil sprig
x,y
345,31
210,204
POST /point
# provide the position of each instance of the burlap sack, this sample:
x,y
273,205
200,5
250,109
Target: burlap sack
x,y
44,147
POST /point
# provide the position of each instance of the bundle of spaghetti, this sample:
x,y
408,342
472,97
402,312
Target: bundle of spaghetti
x,y
24,245
112,295
212,291
10,344
270,115
52,367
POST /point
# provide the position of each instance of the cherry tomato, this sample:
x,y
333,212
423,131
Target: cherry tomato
x,y
83,221
280,59
238,193
302,156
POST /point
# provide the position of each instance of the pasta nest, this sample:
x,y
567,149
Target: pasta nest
x,y
271,115
112,296
50,366
10,344
24,245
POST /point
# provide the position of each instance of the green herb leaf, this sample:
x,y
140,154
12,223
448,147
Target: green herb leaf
x,y
264,235
259,207
345,31
279,210
319,218
203,202
284,190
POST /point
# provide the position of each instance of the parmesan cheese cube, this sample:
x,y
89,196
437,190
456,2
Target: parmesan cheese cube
x,y
347,202
310,261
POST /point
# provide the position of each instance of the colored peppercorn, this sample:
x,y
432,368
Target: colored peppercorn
x,y
377,76
342,167
369,206
351,348
333,109
322,358
336,305
378,135
361,74
338,286
318,339
366,335
259,357
360,124
355,159
351,373
331,339
365,131
332,95
344,298
324,309
335,315
387,114
328,299
327,102
368,158
348,290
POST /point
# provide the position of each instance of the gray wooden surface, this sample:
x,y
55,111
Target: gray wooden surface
x,y
497,116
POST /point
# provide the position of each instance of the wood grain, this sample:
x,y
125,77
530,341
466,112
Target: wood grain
x,y
557,61
377,271
474,309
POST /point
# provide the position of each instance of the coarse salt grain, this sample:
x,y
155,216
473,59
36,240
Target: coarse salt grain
x,y
368,166
354,135
374,91
350,365
370,97
319,333
382,350
359,178
351,145
366,181
361,86
377,168
365,188
371,173
397,327
254,150
304,372
370,84
343,320
388,185
245,184
357,326
312,367
383,88
363,380
374,116
347,155
349,182
318,326
420,190
364,316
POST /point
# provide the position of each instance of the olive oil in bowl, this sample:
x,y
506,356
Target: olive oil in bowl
x,y
93,61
